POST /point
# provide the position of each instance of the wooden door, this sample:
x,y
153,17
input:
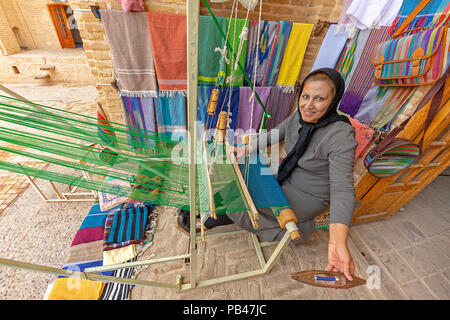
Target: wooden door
x,y
58,14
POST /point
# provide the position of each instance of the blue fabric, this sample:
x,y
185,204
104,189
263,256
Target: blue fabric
x,y
171,116
128,225
210,122
80,266
330,49
262,185
97,218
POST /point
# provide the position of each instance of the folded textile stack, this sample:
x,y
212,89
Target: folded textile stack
x,y
108,237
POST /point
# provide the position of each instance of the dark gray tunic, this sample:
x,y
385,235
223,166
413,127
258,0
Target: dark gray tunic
x,y
323,177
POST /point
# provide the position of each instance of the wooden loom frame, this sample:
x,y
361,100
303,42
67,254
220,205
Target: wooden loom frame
x,y
193,10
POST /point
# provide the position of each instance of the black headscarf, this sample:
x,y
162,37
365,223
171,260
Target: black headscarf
x,y
307,129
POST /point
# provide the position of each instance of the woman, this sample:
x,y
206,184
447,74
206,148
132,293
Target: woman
x,y
317,172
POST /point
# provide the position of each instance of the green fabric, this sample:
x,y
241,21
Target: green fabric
x,y
209,39
234,40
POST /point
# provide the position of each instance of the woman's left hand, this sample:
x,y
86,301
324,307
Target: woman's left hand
x,y
340,259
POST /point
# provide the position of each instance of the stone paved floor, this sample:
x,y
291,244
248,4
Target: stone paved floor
x,y
410,251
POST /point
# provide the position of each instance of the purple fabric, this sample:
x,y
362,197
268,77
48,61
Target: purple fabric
x,y
279,106
245,108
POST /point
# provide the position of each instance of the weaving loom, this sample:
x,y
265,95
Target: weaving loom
x,y
192,174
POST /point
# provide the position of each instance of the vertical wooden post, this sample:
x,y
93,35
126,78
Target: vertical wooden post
x,y
193,11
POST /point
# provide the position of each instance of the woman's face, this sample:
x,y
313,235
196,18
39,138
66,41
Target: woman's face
x,y
315,99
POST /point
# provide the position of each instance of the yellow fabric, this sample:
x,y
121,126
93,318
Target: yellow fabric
x,y
119,255
76,289
293,54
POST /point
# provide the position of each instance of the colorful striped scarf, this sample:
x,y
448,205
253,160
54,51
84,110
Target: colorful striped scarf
x,y
271,76
279,106
262,56
293,55
209,38
435,13
362,77
139,113
169,43
382,104
131,50
128,225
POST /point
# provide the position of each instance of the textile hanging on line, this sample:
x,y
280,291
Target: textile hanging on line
x,y
169,43
293,56
250,113
381,106
362,75
330,49
265,51
371,14
210,121
235,26
131,50
208,40
171,116
279,105
435,13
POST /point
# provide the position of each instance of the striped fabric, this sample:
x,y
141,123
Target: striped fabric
x,y
279,106
128,225
111,246
382,104
393,160
362,75
435,13
171,116
119,291
266,57
433,42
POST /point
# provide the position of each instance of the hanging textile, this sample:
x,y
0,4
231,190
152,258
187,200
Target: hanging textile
x,y
168,39
234,34
331,49
344,24
131,51
224,104
293,56
245,119
368,14
271,76
171,116
435,13
361,77
208,40
381,104
261,55
279,105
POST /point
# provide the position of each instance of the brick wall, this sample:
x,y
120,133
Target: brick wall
x,y
98,52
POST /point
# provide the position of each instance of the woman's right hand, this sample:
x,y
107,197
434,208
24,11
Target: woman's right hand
x,y
238,151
